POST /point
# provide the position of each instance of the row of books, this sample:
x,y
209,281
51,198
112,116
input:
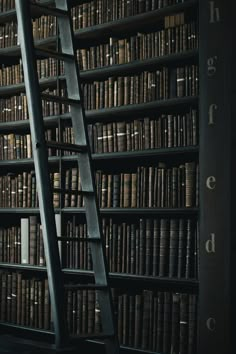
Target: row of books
x,y
154,186
19,146
49,67
140,47
117,91
144,87
119,7
25,301
23,243
116,51
19,189
161,132
7,5
13,74
8,34
43,27
154,132
10,75
151,320
15,107
15,146
10,244
83,312
176,36
156,247
140,134
100,11
162,322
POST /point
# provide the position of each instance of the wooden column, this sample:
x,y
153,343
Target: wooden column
x,y
216,136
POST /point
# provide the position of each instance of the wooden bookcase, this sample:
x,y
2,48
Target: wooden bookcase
x,y
214,247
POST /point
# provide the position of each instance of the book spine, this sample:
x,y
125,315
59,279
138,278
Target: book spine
x,y
25,257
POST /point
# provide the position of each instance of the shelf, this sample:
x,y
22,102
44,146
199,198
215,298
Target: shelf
x,y
29,344
150,282
108,71
47,82
145,153
38,330
22,267
127,112
126,155
26,162
116,279
123,280
137,211
110,211
23,125
26,211
139,65
139,110
14,51
43,333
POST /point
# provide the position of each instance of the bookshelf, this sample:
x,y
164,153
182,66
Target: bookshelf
x,y
159,241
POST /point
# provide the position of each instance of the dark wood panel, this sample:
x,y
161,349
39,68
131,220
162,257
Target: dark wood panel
x,y
215,186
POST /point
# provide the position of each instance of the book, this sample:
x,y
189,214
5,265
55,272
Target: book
x,y
33,236
25,257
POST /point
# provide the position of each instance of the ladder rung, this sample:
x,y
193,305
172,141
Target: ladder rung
x,y
78,239
60,99
71,191
66,146
46,10
85,287
52,54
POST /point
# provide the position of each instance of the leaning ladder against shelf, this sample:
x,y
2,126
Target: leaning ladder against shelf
x,y
81,147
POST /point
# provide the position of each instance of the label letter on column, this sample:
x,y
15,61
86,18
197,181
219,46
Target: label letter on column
x,y
214,12
211,65
211,324
212,108
211,244
211,182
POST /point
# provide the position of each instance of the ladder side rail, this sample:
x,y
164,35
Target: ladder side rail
x,y
55,278
86,175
